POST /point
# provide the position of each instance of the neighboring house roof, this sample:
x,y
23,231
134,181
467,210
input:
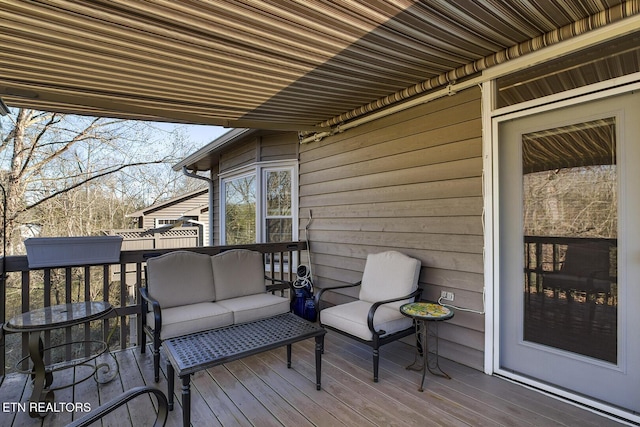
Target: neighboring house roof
x,y
202,159
269,65
173,201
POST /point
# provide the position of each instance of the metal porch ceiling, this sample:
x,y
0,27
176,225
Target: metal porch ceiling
x,y
255,64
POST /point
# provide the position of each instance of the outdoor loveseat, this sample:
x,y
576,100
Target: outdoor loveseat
x,y
188,292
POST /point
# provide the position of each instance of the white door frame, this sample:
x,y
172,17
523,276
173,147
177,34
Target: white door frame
x,y
490,120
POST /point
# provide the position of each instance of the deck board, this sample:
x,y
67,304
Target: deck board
x,y
61,378
260,390
341,412
106,392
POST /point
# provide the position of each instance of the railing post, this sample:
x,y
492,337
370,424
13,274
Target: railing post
x,y
124,299
138,302
3,314
25,307
87,297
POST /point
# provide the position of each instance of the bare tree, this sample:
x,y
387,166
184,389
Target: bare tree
x,y
61,169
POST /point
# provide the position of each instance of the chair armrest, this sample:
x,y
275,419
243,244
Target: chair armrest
x,y
155,306
372,311
94,416
318,295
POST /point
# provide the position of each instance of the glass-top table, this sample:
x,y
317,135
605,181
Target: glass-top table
x,y
43,319
58,316
423,314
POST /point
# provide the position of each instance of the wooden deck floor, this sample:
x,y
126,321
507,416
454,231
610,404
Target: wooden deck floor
x,y
261,391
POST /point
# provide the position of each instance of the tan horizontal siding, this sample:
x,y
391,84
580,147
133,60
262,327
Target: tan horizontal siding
x,y
453,170
448,261
280,146
442,242
239,155
441,207
417,158
418,120
269,147
464,187
410,182
176,210
443,225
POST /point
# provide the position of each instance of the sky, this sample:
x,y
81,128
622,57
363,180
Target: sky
x,y
205,134
200,135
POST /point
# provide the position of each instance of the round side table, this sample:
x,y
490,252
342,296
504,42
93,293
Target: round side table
x,y
426,316
54,317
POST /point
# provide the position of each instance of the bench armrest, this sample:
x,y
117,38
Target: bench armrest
x,y
155,306
278,284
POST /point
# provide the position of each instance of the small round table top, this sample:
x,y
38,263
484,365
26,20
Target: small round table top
x,y
426,311
57,316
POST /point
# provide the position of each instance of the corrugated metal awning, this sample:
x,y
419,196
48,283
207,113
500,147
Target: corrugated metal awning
x,y
255,64
591,143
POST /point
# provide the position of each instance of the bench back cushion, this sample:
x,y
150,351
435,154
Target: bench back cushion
x,y
237,273
180,278
389,275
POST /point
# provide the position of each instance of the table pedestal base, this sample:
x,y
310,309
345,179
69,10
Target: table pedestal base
x,y
41,378
56,317
42,393
426,350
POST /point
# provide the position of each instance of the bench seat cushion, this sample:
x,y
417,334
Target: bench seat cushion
x,y
253,307
352,319
187,319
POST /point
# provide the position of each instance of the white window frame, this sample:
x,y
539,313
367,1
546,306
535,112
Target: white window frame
x,y
165,221
293,170
259,171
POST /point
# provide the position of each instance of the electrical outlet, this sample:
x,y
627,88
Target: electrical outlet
x,y
446,295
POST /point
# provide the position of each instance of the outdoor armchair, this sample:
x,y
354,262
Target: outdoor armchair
x,y
389,280
586,268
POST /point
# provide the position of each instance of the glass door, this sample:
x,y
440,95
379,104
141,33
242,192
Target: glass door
x,y
569,249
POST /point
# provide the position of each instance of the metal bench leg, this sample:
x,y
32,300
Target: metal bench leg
x,y
319,347
186,400
170,382
156,358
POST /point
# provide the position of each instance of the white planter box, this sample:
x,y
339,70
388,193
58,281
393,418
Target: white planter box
x,y
72,251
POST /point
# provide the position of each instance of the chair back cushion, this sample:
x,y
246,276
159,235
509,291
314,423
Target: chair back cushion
x,y
179,278
237,273
585,259
389,275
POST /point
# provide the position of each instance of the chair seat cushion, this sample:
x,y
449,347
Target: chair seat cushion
x,y
352,319
253,307
188,319
579,283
